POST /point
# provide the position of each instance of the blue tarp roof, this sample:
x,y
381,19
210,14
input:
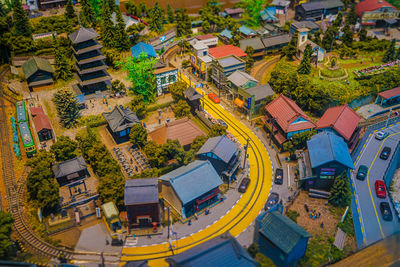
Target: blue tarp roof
x,y
326,147
246,31
267,14
193,180
222,250
221,146
143,47
80,98
226,33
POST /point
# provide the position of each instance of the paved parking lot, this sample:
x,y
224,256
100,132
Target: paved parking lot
x,y
373,226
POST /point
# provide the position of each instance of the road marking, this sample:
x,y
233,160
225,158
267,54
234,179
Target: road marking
x,y
369,187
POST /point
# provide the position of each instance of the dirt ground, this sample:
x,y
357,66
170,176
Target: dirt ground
x,y
314,226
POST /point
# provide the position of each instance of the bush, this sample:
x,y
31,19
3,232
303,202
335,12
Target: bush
x,y
154,107
332,73
347,226
292,214
92,121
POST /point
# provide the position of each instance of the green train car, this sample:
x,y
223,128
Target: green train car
x,y
27,140
22,114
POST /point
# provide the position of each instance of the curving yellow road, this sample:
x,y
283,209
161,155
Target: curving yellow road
x,y
241,215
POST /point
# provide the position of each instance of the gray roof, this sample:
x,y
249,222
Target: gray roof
x,y
221,146
192,94
69,167
305,24
280,3
141,191
276,40
82,35
229,61
120,118
327,4
255,43
261,91
223,250
240,78
312,6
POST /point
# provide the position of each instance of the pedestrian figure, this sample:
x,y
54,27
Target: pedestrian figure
x,y
107,242
306,207
190,222
134,236
319,215
322,225
149,236
361,60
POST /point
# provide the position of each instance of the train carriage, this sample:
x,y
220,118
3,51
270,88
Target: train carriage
x,y
22,114
27,139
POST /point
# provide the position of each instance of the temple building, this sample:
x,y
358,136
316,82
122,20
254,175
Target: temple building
x,y
91,69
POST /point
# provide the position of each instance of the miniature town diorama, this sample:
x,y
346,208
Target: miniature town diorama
x,y
199,133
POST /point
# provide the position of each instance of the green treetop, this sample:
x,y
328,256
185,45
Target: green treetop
x,y
252,11
141,75
183,23
122,42
21,22
107,33
62,70
6,221
156,16
69,10
138,135
170,14
67,107
291,49
64,149
87,15
305,64
390,54
347,37
340,192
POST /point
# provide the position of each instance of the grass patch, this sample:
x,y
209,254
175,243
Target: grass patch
x,y
91,121
201,125
292,214
347,226
332,73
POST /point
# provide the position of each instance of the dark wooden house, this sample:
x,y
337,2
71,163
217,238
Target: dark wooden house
x,y
142,203
317,10
120,121
38,73
89,61
48,4
42,124
70,170
193,98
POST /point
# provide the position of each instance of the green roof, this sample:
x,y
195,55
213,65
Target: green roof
x,y
34,64
281,231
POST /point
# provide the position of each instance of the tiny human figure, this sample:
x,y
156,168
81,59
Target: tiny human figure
x,y
107,242
149,236
190,222
319,215
322,225
306,207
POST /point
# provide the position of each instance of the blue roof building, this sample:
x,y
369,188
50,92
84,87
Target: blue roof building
x,y
226,34
247,32
222,153
328,156
268,15
141,47
191,188
280,239
222,250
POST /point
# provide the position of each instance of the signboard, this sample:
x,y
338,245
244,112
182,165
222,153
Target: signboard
x,y
163,38
249,102
390,14
327,173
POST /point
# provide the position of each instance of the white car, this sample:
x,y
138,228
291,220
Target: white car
x,y
381,135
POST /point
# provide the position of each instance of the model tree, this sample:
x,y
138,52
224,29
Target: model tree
x,y
340,192
249,58
142,9
183,23
141,75
170,14
181,109
41,185
21,22
64,149
87,15
291,49
138,106
107,33
253,9
390,54
132,8
156,18
217,130
122,42
347,37
69,10
305,64
6,221
111,188
206,26
235,35
338,21
362,35
329,39
62,70
176,89
351,17
138,135
3,10
67,107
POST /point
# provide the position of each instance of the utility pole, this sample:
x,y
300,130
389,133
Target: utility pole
x,y
387,121
169,209
245,153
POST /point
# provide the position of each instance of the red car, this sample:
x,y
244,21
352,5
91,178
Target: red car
x,y
214,98
380,189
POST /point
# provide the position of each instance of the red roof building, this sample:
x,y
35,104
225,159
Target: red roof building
x,y
42,124
390,93
226,50
388,98
372,10
341,119
288,116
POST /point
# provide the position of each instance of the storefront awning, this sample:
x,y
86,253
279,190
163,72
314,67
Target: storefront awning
x,y
238,102
390,21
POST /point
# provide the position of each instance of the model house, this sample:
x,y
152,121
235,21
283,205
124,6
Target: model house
x,y
38,73
143,48
305,24
275,43
377,13
142,203
42,124
317,9
318,53
166,74
280,239
70,170
191,188
193,98
234,13
119,122
285,118
221,68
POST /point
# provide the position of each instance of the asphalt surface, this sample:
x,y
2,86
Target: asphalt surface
x,y
373,227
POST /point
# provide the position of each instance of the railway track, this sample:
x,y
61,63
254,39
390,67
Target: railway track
x,y
15,193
